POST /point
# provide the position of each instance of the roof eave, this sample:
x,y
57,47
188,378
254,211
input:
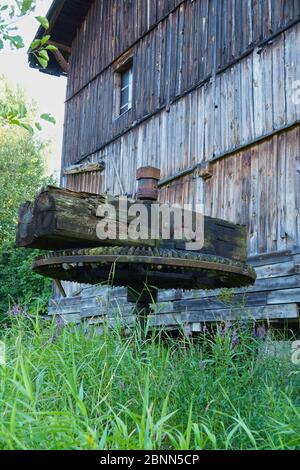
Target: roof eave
x,y
62,32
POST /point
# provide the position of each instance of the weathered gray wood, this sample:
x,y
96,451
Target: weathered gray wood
x,y
84,168
284,296
242,301
71,318
257,313
273,312
276,270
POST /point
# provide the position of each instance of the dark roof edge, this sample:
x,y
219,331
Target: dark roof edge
x,y
61,32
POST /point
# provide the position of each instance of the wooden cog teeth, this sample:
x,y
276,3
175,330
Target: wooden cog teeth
x,y
148,252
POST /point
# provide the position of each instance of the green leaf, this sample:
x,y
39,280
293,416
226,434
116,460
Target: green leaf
x,y
15,122
16,41
28,127
36,43
42,62
44,55
1,44
43,21
45,39
38,126
22,110
48,117
26,6
51,48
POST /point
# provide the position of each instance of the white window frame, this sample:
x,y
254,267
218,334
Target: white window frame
x,y
121,66
128,104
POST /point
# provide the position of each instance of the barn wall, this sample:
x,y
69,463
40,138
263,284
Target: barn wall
x,y
184,32
258,186
210,86
184,50
251,101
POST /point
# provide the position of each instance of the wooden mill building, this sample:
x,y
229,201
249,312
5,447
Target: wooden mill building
x,y
207,91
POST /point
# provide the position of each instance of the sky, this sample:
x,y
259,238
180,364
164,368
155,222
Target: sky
x,y
47,91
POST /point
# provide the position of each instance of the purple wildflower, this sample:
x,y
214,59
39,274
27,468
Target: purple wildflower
x,y
259,331
17,311
234,339
225,328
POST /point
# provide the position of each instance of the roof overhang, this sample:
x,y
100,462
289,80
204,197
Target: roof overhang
x,y
65,18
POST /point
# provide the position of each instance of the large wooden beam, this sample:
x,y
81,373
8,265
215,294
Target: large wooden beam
x,y
64,64
59,219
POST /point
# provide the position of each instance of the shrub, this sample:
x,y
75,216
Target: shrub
x,y
18,283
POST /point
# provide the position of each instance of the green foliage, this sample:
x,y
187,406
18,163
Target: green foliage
x,y
18,284
48,117
44,22
21,175
10,13
226,296
18,116
64,388
21,169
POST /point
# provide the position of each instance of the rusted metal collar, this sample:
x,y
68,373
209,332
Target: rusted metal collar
x,y
148,178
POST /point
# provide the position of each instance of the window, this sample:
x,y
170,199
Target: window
x,y
123,84
125,90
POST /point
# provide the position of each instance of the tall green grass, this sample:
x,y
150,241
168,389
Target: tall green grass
x,y
69,388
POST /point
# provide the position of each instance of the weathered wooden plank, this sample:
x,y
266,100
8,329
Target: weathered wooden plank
x,y
84,168
243,301
272,312
276,270
284,296
256,313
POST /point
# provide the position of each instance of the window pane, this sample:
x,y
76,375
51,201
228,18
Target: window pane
x,y
124,96
125,78
124,109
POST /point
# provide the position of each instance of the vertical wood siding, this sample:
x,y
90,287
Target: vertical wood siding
x,y
246,101
259,187
187,37
249,100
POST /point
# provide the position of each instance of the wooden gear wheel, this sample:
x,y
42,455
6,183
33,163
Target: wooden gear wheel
x,y
132,267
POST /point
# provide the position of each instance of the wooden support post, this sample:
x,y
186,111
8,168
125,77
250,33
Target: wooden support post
x,y
60,287
61,60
